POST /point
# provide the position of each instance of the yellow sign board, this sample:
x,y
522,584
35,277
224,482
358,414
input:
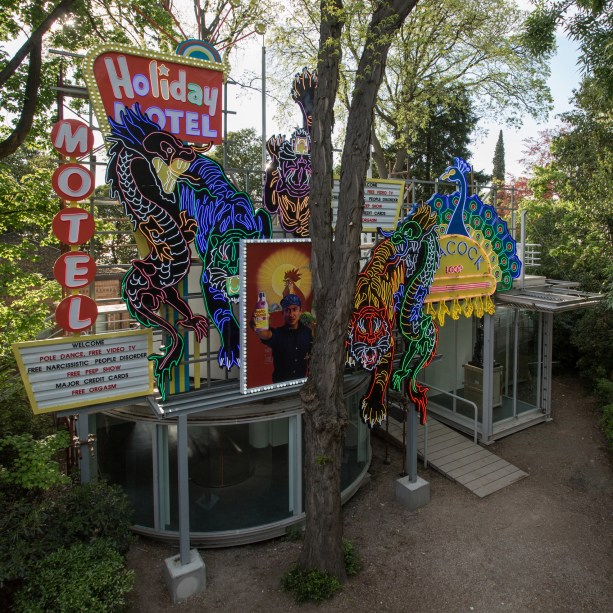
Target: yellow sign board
x,y
76,371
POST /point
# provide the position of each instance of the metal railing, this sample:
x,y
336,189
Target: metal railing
x,y
532,255
469,402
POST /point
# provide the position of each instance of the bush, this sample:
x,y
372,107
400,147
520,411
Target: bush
x,y
352,559
310,585
31,529
604,391
84,577
29,464
16,415
90,511
294,533
607,424
315,585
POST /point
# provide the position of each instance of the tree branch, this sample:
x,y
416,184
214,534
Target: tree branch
x,y
64,7
26,119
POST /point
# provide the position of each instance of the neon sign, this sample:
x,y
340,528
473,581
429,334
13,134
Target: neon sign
x,y
181,94
146,194
478,255
394,282
288,175
74,226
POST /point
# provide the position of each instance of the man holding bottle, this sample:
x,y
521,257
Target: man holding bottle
x,y
290,343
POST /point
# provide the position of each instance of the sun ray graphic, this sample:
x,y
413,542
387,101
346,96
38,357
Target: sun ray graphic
x,y
271,273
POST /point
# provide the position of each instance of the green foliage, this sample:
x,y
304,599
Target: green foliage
x,y
244,150
243,161
571,214
353,564
138,23
33,527
607,424
444,134
89,511
309,585
449,61
498,161
593,338
604,392
589,22
294,533
83,577
316,586
540,31
28,205
26,305
31,464
16,415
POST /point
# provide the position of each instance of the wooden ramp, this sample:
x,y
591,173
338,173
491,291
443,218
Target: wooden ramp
x,y
459,458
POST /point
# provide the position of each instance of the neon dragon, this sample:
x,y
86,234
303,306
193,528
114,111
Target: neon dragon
x,y
153,210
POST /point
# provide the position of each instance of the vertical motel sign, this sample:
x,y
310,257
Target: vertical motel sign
x,y
73,225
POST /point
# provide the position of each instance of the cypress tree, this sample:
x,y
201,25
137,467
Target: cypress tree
x,y
498,172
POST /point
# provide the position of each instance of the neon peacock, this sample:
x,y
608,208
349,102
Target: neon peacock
x,y
467,215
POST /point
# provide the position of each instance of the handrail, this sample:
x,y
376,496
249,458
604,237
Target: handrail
x,y
475,407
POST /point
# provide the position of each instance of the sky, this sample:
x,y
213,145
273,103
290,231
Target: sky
x,y
564,78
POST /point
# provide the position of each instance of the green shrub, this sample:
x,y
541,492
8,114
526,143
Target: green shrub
x,y
30,464
309,585
607,424
89,511
294,533
16,415
84,577
604,391
352,559
30,529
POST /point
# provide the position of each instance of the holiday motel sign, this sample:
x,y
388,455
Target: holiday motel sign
x,y
182,95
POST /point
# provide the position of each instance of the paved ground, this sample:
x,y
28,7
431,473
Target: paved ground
x,y
542,544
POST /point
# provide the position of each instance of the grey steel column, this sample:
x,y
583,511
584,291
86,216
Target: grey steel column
x,y
547,362
81,427
412,442
488,377
183,489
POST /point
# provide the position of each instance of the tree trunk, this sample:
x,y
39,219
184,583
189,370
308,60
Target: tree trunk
x,y
378,155
335,265
400,162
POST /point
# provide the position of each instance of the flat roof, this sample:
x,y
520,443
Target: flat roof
x,y
549,296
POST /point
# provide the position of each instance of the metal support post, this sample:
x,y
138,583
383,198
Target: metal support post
x,y
523,250
488,378
183,477
412,444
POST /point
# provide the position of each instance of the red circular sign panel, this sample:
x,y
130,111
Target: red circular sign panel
x,y
73,226
72,138
74,269
73,182
76,313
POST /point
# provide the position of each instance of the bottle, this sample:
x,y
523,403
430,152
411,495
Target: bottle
x,y
261,313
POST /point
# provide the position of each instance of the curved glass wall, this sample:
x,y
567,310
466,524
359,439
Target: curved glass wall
x,y
245,474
